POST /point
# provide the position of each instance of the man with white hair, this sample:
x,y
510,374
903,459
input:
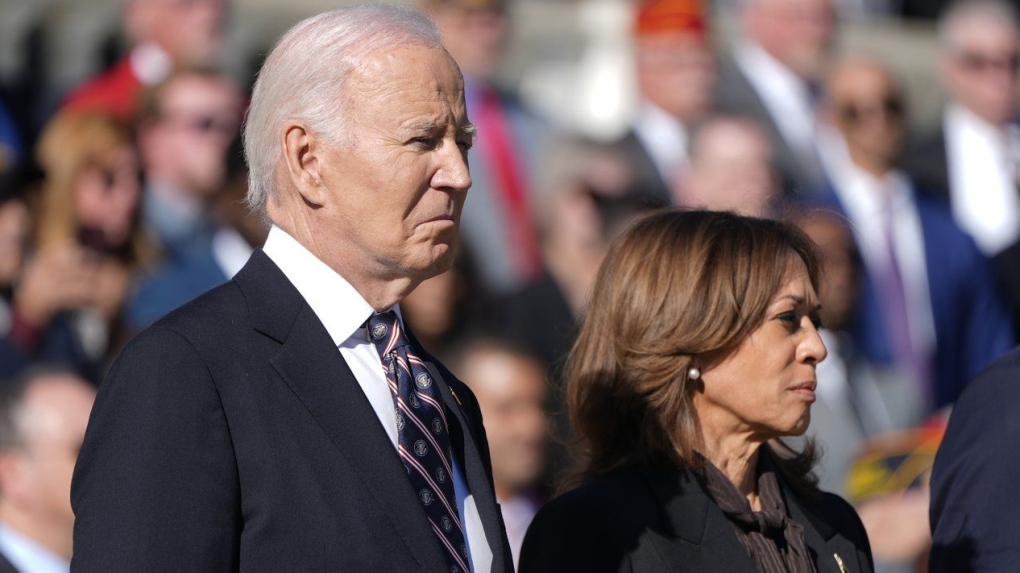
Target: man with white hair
x,y
286,421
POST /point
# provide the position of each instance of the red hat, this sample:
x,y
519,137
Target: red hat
x,y
659,16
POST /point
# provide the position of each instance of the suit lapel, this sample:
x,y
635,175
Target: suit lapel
x,y
822,539
696,533
315,371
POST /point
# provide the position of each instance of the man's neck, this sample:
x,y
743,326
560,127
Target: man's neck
x,y
25,523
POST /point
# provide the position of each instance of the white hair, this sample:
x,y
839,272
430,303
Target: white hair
x,y
995,11
305,78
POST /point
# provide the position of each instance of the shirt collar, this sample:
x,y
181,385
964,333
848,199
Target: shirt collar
x,y
340,308
28,555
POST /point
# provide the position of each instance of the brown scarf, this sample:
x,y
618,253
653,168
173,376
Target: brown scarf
x,y
773,540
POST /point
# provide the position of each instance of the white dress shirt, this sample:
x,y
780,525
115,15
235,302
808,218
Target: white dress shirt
x,y
29,556
982,161
343,312
785,96
864,197
664,138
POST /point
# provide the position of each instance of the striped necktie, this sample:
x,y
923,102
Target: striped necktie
x,y
424,441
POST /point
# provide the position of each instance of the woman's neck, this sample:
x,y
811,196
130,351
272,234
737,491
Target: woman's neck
x,y
736,456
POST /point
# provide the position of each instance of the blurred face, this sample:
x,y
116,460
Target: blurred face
x,y
676,72
106,198
869,112
980,68
765,387
511,394
798,33
14,223
56,412
190,30
431,308
474,36
838,290
187,144
730,170
395,194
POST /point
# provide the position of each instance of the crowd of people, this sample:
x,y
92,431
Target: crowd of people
x,y
135,196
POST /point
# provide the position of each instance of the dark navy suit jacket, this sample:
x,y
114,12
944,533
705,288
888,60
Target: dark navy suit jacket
x,y
974,481
232,436
972,323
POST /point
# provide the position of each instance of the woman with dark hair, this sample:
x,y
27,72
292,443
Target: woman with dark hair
x,y
697,353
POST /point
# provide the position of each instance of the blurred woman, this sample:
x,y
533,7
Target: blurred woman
x,y
696,354
88,243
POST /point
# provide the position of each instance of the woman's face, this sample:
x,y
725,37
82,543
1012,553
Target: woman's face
x,y
106,198
765,387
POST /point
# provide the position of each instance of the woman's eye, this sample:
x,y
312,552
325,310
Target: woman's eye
x,y
789,317
818,322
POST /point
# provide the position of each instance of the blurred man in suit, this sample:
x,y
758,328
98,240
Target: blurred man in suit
x,y
287,421
675,72
774,74
43,414
499,221
930,304
972,160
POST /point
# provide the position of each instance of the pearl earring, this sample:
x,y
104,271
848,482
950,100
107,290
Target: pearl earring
x,y
694,373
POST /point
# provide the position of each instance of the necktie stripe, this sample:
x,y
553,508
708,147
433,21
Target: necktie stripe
x,y
422,434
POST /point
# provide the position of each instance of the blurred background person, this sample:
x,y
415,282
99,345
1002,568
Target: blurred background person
x,y
163,34
930,305
971,161
185,127
730,168
499,220
674,72
43,414
511,389
593,197
69,296
774,74
442,310
15,226
696,355
863,420
228,238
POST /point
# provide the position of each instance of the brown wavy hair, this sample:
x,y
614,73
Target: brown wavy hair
x,y
676,285
72,142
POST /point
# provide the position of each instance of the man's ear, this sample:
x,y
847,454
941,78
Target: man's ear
x,y
303,159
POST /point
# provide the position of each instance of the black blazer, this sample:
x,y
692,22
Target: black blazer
x,y
973,509
664,521
232,436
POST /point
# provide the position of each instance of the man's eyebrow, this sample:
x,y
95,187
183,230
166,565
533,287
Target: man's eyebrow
x,y
469,129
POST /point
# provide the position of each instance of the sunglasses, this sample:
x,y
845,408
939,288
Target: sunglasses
x,y
981,63
891,108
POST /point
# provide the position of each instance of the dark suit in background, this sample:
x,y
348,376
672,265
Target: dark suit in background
x,y
652,520
977,468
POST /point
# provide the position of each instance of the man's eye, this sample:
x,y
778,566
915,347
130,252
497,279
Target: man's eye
x,y
427,142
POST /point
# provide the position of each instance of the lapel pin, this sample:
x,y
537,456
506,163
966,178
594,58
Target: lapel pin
x,y
454,394
839,561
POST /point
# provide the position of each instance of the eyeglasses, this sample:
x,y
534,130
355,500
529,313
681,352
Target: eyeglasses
x,y
977,62
891,108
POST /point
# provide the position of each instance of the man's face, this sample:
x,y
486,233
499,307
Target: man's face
x,y
191,31
56,413
186,145
394,193
475,37
511,393
980,67
676,71
798,33
869,112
